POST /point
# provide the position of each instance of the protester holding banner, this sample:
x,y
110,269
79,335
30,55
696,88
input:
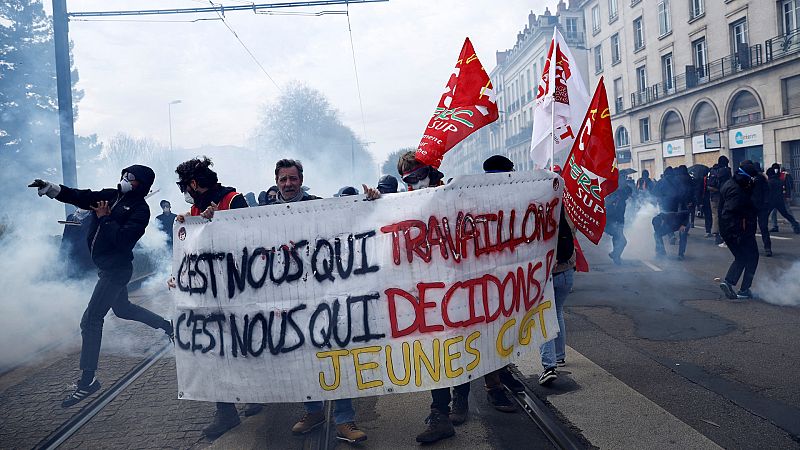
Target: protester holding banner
x,y
418,175
554,352
289,179
200,187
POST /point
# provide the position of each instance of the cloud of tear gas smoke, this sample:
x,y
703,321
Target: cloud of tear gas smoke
x,y
639,231
39,307
782,288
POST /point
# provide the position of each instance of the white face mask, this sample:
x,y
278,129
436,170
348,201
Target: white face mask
x,y
125,186
421,184
188,198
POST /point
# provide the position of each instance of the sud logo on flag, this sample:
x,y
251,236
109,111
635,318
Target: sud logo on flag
x,y
591,172
467,104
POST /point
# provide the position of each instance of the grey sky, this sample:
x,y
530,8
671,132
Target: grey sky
x,y
404,48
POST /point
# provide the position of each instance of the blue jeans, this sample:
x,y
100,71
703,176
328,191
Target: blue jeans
x,y
555,349
343,411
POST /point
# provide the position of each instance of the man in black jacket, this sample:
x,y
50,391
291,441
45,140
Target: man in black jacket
x,y
615,221
761,201
737,226
716,179
777,202
122,216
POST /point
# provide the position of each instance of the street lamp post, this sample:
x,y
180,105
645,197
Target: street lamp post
x,y
169,108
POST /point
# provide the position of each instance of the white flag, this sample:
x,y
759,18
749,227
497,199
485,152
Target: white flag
x,y
561,102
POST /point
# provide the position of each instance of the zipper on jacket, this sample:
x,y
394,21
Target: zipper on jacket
x,y
97,231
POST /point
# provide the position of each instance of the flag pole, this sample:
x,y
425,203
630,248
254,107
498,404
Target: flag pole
x,y
553,109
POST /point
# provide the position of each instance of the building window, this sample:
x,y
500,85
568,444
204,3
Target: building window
x,y
612,10
621,138
791,15
641,79
638,34
696,8
791,95
595,19
739,42
700,58
572,28
616,55
704,118
664,24
618,98
745,109
598,59
644,129
668,73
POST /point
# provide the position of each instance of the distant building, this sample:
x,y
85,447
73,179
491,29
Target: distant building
x,y
690,80
515,79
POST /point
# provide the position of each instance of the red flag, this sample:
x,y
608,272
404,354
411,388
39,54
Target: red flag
x,y
467,104
591,170
581,265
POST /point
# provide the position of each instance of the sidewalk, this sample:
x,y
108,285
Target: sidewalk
x,y
609,414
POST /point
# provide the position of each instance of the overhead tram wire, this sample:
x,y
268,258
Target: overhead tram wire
x,y
225,22
219,8
355,70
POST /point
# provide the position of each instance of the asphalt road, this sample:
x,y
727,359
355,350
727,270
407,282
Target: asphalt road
x,y
727,369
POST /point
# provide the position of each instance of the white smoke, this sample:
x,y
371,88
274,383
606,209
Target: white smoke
x,y
39,307
639,231
781,288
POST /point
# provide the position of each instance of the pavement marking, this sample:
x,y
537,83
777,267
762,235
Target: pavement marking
x,y
772,236
651,265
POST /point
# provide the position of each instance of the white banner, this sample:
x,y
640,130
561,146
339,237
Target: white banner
x,y
746,137
346,298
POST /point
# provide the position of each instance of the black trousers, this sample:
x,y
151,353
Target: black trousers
x,y
664,224
709,218
618,241
763,226
781,208
110,292
745,259
442,397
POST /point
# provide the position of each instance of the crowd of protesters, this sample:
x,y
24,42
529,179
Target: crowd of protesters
x,y
733,202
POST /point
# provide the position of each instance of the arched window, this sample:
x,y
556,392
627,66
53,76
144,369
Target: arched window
x,y
621,137
704,118
745,108
671,126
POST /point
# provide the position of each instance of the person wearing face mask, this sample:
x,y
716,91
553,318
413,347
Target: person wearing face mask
x,y
737,226
165,221
442,417
122,216
201,188
417,175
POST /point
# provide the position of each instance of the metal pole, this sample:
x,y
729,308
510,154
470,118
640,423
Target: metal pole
x,y
169,107
64,87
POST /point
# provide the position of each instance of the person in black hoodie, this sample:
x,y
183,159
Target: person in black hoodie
x,y
776,199
122,216
737,226
716,179
761,202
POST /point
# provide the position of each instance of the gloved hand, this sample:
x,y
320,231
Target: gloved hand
x,y
46,188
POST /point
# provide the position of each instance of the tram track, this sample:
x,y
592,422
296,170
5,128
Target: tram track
x,y
46,349
95,406
558,434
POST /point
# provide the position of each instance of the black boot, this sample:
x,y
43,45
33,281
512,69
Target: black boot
x,y
507,378
225,418
81,392
439,427
460,409
251,409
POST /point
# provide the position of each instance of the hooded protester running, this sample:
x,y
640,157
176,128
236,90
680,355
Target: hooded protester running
x,y
122,216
